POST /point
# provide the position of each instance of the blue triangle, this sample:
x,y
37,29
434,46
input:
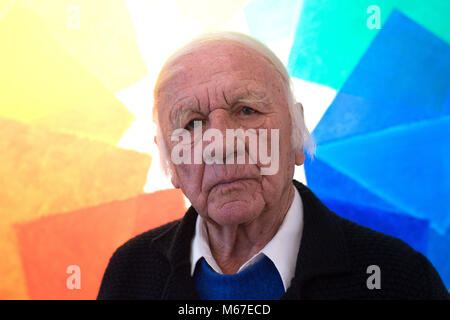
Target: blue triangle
x,y
439,254
447,104
402,77
328,182
351,115
408,166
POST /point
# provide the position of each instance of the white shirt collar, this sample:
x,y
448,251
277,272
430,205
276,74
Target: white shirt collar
x,y
282,249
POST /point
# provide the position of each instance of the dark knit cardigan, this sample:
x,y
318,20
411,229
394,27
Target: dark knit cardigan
x,y
332,262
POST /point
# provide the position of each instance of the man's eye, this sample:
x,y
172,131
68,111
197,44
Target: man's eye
x,y
193,124
247,111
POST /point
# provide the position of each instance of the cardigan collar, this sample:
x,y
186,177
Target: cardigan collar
x,y
322,249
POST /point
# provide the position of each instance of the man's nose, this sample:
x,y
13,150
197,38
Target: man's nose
x,y
222,121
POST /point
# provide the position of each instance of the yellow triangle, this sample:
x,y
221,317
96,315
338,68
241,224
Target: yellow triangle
x,y
42,84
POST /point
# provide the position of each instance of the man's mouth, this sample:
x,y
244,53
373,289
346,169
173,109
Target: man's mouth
x,y
230,183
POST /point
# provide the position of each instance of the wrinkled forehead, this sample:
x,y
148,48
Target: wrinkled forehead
x,y
210,61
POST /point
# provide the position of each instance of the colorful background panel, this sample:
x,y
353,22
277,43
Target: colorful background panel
x,y
87,238
80,174
385,139
44,172
43,84
332,35
99,34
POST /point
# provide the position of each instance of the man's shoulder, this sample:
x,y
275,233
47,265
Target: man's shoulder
x,y
157,238
399,264
361,240
138,269
363,246
144,252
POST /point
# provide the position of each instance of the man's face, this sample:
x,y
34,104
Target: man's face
x,y
228,86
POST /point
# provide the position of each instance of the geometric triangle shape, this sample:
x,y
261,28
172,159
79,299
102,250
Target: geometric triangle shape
x,y
438,251
350,115
325,53
419,78
100,35
407,165
328,182
42,84
43,172
447,103
389,87
87,238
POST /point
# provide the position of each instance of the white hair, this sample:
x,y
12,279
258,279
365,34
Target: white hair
x,y
300,136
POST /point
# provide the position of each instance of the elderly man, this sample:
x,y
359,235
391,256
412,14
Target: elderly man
x,y
251,233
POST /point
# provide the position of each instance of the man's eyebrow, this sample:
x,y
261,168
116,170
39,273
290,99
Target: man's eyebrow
x,y
182,108
247,96
253,99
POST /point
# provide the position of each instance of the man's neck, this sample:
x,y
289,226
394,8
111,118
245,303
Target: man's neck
x,y
231,246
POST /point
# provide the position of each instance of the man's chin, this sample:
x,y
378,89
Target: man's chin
x,y
235,212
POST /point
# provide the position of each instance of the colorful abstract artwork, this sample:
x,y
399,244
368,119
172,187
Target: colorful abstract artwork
x,y
80,173
385,140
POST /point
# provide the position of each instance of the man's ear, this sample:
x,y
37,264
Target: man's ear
x,y
173,174
299,105
175,182
174,178
298,152
299,156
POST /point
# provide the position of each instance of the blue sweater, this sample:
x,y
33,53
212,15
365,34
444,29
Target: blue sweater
x,y
259,282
